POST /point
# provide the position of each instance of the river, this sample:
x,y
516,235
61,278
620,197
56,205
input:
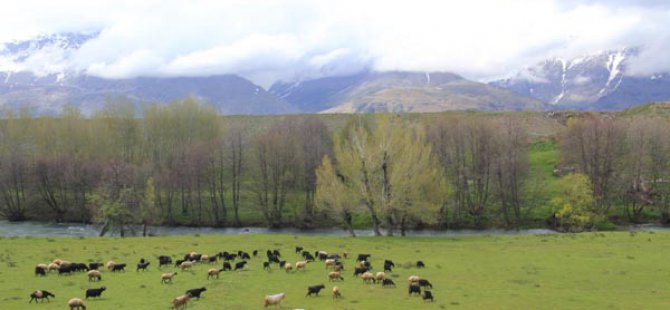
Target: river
x,y
40,229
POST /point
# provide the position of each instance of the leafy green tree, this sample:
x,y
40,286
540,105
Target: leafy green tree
x,y
574,206
333,197
148,209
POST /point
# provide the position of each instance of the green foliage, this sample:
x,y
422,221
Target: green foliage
x,y
574,207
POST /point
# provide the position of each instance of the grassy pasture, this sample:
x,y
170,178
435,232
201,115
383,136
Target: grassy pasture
x,y
614,270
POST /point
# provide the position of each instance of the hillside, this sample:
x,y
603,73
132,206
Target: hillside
x,y
400,92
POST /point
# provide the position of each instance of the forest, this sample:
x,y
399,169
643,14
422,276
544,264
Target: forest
x,y
182,164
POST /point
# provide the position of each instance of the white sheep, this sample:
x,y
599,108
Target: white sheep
x,y
76,303
274,300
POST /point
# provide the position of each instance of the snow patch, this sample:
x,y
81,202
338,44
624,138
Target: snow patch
x,y
427,78
563,73
614,67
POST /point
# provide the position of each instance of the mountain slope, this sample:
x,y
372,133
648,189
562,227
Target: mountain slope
x,y
596,81
400,92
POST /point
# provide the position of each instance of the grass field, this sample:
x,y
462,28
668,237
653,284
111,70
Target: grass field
x,y
614,270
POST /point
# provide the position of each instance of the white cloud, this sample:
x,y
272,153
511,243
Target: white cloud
x,y
286,39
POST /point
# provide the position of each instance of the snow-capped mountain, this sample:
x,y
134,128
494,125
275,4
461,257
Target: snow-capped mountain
x,y
36,74
595,81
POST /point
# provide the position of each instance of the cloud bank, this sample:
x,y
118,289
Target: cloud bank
x,y
267,41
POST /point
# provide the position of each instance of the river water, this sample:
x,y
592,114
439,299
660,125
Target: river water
x,y
39,229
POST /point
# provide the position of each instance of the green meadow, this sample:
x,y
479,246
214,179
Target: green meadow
x,y
612,270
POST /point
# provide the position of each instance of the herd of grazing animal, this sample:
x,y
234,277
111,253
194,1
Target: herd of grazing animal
x,y
332,262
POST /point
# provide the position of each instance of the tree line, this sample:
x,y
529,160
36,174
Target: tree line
x,y
181,164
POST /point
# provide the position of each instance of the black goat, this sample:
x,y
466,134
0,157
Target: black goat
x,y
40,295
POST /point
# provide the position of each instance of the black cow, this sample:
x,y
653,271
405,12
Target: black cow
x,y
240,265
95,292
298,249
39,271
425,283
195,293
41,295
420,264
314,290
226,266
387,282
94,266
427,295
266,265
358,271
363,257
119,267
414,289
142,266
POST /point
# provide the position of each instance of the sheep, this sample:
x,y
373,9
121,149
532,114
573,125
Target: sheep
x,y
110,264
364,264
288,267
345,254
76,303
388,265
300,265
266,265
195,293
40,295
358,271
193,256
330,263
314,290
240,265
255,253
276,253
334,275
420,264
52,267
243,255
282,264
363,257
180,301
142,266
412,279
95,292
57,261
65,269
40,271
213,273
425,283
186,266
167,277
178,262
204,258
164,260
43,266
367,277
94,275
322,255
388,282
427,295
212,259
298,249
119,267
414,289
226,266
274,300
336,292
338,267
79,267
94,266
308,256
380,276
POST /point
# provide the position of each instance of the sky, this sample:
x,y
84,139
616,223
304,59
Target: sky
x,y
267,41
